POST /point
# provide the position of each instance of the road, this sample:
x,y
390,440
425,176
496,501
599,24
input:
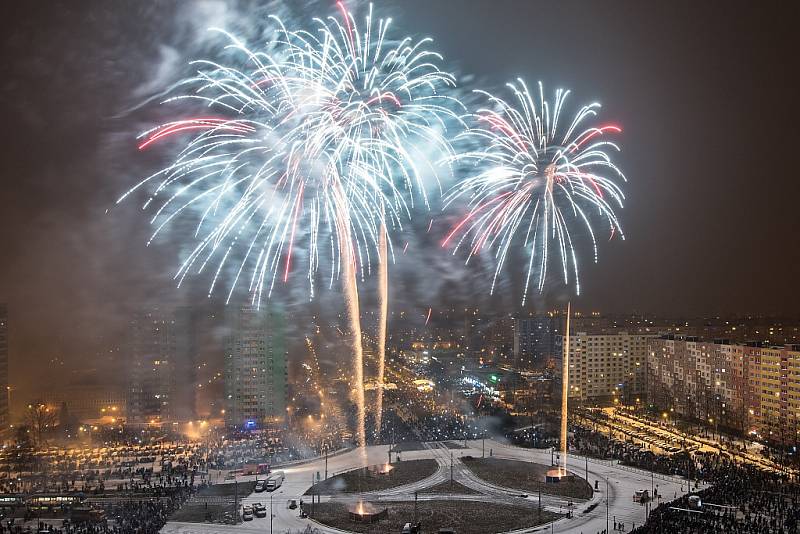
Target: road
x,y
623,426
589,516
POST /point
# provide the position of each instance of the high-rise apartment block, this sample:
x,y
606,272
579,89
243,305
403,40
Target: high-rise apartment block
x,y
161,380
748,387
255,369
606,367
536,340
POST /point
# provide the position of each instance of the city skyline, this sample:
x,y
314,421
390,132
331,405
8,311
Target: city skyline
x,y
459,266
681,189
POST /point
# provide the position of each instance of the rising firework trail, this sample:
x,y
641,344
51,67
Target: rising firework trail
x,y
383,315
535,179
306,150
386,113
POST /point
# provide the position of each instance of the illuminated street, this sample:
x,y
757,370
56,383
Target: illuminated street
x,y
589,515
399,267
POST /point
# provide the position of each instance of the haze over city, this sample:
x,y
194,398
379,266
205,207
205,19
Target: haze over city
x,y
393,221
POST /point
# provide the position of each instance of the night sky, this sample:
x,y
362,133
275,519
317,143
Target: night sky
x,y
704,91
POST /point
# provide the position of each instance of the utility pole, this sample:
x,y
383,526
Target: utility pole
x,y
236,496
415,507
587,467
483,445
326,463
606,503
451,469
270,513
540,503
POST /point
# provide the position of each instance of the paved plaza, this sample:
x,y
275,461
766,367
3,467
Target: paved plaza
x,y
616,485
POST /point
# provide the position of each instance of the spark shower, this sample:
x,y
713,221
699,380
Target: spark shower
x,y
317,146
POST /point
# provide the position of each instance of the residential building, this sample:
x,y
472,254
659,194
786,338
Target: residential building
x,y
606,367
89,402
161,379
536,340
255,369
750,388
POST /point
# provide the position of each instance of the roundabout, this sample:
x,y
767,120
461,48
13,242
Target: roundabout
x,y
454,488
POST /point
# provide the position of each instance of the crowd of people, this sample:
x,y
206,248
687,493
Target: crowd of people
x,y
144,482
740,500
124,464
145,514
429,427
597,445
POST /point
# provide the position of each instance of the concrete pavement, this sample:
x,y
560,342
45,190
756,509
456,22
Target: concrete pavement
x,y
589,516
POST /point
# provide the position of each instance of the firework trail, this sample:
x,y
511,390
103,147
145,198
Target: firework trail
x,y
533,179
428,316
383,313
315,143
386,111
350,286
384,114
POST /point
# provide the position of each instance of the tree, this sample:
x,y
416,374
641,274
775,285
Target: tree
x,y
40,419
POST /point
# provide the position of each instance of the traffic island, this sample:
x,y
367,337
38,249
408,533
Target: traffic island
x,y
464,517
528,477
376,477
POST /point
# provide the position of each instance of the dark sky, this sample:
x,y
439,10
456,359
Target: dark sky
x,y
704,91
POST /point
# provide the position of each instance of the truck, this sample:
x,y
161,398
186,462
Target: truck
x,y
275,480
255,469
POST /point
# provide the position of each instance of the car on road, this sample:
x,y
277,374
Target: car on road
x,y
247,514
409,528
292,504
260,486
260,511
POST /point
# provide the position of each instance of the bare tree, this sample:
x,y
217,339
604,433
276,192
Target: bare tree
x,y
41,419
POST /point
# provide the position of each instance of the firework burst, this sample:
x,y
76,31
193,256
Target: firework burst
x,y
338,119
533,181
312,147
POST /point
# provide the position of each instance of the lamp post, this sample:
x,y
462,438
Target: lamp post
x,y
587,467
606,504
